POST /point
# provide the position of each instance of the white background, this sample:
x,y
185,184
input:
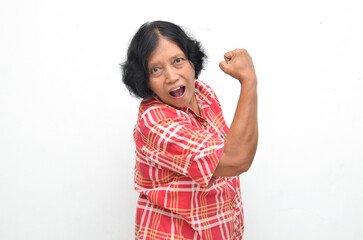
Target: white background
x,y
66,120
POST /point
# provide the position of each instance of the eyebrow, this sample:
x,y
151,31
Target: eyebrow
x,y
178,55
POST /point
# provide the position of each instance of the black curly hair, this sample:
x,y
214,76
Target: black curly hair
x,y
135,73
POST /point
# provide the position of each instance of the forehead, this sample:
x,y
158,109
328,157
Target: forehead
x,y
164,51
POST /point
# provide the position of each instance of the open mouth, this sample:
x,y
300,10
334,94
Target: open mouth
x,y
177,92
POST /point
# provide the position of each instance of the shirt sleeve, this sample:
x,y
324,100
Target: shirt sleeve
x,y
169,140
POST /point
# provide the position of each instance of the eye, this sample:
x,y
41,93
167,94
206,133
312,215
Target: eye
x,y
156,71
178,60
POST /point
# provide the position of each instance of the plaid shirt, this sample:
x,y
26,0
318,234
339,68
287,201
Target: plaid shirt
x,y
177,152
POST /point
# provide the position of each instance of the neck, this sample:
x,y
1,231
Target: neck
x,y
194,105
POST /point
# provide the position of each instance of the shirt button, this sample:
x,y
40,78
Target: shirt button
x,y
204,123
237,233
234,205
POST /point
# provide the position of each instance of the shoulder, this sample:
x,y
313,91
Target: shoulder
x,y
205,92
204,88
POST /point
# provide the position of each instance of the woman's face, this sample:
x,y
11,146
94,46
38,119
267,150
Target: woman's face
x,y
171,75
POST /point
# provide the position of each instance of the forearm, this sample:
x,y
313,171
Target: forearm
x,y
241,141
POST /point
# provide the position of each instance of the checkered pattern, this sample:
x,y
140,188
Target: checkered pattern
x,y
177,152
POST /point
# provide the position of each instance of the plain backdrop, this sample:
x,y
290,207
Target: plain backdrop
x,y
66,120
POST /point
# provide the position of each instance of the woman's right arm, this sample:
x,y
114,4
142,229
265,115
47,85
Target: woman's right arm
x,y
241,141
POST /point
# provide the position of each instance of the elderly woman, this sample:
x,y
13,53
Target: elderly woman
x,y
187,159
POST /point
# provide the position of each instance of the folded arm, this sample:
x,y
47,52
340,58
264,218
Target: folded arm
x,y
241,141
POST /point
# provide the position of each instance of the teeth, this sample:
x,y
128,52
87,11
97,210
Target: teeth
x,y
176,89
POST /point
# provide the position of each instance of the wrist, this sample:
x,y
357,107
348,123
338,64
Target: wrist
x,y
249,83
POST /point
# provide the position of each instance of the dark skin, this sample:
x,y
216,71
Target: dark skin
x,y
241,141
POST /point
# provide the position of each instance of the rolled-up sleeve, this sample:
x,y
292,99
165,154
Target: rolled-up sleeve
x,y
169,141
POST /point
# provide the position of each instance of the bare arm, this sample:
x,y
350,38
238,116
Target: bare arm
x,y
241,142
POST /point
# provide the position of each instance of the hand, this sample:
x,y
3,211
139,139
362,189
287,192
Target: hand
x,y
238,64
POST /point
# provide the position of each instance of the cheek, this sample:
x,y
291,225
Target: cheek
x,y
192,71
156,86
151,85
193,74
189,72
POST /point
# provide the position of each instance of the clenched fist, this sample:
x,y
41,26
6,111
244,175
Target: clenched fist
x,y
238,64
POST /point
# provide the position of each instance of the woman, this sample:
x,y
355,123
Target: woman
x,y
187,167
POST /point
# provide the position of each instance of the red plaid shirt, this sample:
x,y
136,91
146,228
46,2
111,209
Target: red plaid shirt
x,y
177,152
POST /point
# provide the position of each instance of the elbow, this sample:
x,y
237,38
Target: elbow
x,y
234,164
244,160
244,167
245,163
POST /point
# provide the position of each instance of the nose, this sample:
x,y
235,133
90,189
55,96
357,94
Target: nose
x,y
171,75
